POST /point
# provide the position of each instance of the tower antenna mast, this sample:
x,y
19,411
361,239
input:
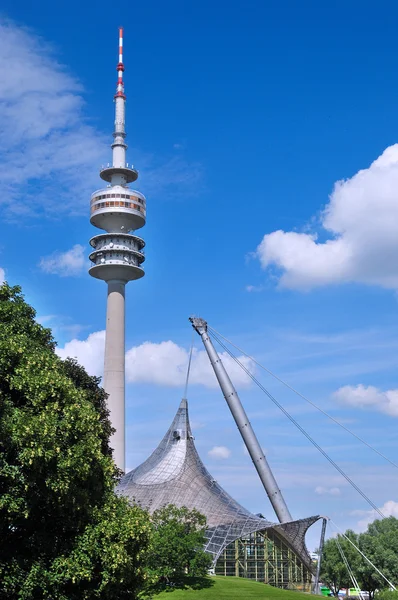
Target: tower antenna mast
x,y
238,412
117,258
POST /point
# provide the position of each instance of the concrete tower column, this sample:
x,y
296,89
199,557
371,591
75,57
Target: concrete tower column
x,y
114,377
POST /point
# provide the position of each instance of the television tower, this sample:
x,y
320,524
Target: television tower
x,y
117,258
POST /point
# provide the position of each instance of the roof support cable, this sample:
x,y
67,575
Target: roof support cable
x,y
300,428
189,368
304,398
350,571
364,556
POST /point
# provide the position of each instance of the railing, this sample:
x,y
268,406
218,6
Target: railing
x,y
115,261
117,197
104,249
133,235
109,166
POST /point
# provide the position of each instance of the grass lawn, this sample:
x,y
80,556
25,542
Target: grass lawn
x,y
232,588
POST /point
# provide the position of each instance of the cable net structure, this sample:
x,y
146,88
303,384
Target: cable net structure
x,y
175,474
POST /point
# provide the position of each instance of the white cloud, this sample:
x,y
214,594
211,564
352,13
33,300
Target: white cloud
x,y
43,320
65,264
164,363
47,137
72,330
389,509
2,276
219,452
89,353
360,220
368,397
254,288
327,491
44,131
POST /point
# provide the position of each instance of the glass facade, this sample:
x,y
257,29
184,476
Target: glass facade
x,y
112,203
264,556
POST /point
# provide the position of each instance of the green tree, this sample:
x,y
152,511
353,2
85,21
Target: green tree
x,y
177,544
64,533
333,569
380,544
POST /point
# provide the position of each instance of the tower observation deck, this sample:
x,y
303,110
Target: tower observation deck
x,y
117,258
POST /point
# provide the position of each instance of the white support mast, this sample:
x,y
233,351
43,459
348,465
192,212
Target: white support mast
x,y
243,424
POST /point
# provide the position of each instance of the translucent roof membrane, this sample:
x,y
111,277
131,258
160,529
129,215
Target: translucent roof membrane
x,y
175,474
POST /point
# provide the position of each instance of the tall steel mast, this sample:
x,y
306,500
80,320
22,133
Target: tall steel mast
x,y
243,424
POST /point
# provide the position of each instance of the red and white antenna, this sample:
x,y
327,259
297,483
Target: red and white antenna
x,y
120,68
120,44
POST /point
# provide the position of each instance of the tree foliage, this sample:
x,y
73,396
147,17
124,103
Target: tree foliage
x,y
64,533
177,544
379,543
333,569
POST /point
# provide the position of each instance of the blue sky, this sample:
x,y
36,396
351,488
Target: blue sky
x,y
241,119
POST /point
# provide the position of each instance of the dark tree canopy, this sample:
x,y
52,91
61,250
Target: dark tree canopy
x,y
64,533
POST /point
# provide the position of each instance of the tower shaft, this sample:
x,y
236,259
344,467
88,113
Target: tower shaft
x,y
114,367
246,430
119,146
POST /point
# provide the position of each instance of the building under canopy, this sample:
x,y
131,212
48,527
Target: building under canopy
x,y
240,542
